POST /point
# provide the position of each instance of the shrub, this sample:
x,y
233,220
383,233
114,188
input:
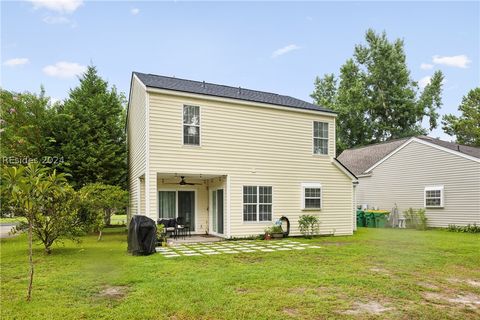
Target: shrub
x,y
470,228
415,219
309,225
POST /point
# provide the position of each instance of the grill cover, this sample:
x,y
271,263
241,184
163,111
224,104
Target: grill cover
x,y
142,236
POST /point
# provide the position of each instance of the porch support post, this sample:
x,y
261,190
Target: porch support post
x,y
228,181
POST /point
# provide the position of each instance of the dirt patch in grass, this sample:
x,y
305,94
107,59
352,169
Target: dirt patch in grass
x,y
473,283
113,292
242,290
460,300
379,270
372,307
470,282
292,312
427,285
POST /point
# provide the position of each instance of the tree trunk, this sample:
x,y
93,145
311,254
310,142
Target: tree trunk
x,y
99,235
30,256
107,217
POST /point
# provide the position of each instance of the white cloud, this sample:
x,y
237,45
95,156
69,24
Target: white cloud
x,y
460,61
426,66
61,6
135,11
284,50
56,20
16,62
64,70
425,81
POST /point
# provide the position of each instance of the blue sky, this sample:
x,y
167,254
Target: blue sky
x,y
270,46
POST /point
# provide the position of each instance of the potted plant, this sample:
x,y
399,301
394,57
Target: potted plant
x,y
268,234
161,236
276,232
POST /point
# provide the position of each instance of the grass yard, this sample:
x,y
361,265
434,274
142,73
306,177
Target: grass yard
x,y
377,273
12,220
118,219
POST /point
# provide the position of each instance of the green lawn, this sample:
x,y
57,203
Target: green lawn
x,y
118,219
14,219
411,274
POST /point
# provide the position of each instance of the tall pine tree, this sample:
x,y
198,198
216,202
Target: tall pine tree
x,y
375,98
91,134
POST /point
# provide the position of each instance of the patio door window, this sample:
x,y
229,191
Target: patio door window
x,y
167,204
179,203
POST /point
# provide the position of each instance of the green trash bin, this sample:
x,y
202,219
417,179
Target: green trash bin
x,y
380,220
360,218
370,220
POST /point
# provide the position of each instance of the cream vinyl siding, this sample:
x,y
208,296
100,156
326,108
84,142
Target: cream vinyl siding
x,y
136,137
253,146
402,179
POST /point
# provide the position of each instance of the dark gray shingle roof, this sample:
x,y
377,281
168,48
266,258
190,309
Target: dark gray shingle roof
x,y
358,160
210,89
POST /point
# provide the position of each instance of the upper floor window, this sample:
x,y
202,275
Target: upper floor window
x,y
320,137
191,125
434,197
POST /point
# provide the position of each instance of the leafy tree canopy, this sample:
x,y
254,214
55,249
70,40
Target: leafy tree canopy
x,y
375,97
466,127
91,133
26,125
101,201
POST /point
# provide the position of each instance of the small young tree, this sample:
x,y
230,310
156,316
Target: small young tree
x,y
101,201
46,200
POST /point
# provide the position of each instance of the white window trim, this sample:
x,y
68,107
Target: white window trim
x,y
258,204
312,185
434,188
199,127
328,139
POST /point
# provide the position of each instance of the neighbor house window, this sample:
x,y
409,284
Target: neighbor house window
x,y
191,125
434,197
320,137
257,203
312,196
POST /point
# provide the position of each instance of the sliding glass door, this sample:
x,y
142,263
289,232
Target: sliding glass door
x,y
177,203
186,207
217,211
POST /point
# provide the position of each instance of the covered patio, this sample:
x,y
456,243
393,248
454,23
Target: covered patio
x,y
196,201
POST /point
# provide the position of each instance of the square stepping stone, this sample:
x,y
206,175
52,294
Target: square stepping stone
x,y
172,256
192,254
210,253
284,249
314,247
299,248
267,250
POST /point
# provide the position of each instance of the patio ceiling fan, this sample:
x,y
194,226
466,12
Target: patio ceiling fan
x,y
185,183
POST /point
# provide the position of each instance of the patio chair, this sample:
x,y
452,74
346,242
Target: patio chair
x,y
183,227
170,227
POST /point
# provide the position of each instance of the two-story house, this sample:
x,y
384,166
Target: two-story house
x,y
231,160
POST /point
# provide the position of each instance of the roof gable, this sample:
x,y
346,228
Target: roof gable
x,y
363,160
216,90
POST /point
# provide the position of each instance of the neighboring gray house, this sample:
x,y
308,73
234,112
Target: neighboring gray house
x,y
419,172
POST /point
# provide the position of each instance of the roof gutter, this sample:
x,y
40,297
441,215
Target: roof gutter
x,y
342,167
